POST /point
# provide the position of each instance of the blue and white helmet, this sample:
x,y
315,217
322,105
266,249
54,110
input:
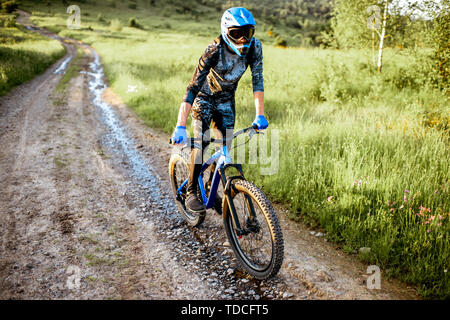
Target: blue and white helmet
x,y
237,17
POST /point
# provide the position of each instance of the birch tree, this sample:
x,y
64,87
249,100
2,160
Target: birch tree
x,y
353,18
382,35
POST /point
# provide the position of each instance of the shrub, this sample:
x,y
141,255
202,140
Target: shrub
x,y
9,6
280,42
166,12
132,23
100,18
7,23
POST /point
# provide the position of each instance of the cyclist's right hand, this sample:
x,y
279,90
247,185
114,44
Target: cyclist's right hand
x,y
179,135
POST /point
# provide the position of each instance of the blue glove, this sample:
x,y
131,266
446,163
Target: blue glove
x,y
261,122
179,135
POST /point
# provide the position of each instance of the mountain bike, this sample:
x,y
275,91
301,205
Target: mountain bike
x,y
250,221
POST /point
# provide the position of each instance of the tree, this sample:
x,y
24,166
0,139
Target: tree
x,y
355,23
382,35
440,36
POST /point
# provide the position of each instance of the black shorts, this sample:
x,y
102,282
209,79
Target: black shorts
x,y
218,112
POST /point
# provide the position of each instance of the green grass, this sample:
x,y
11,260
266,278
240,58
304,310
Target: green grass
x,y
363,155
24,54
72,71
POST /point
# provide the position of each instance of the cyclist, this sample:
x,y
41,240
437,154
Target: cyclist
x,y
211,92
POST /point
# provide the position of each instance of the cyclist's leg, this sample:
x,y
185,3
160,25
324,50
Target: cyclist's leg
x,y
223,119
201,119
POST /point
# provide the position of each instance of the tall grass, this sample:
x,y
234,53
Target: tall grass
x,y
23,55
363,155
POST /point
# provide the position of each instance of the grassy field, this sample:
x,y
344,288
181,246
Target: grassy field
x,y
23,54
365,156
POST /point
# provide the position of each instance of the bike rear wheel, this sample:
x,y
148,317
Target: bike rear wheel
x,y
178,173
260,250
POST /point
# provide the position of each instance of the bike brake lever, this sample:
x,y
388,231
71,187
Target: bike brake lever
x,y
251,134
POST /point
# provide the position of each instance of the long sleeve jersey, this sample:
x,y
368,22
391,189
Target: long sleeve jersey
x,y
219,71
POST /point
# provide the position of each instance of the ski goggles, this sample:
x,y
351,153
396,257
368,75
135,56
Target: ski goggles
x,y
237,33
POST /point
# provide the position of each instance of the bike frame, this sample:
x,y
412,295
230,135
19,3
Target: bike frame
x,y
223,162
222,158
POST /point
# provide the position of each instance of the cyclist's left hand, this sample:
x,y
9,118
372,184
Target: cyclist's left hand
x,y
260,122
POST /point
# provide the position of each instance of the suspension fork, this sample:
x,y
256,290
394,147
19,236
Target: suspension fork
x,y
227,183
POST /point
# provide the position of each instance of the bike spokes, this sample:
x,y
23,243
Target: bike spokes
x,y
181,175
255,243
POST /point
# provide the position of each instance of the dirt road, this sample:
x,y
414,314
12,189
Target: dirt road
x,y
86,210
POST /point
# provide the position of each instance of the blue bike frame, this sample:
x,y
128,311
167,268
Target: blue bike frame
x,y
222,157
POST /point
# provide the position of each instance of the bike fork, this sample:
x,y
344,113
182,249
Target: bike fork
x,y
227,190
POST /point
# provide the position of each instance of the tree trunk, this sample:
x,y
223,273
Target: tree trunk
x,y
373,44
383,32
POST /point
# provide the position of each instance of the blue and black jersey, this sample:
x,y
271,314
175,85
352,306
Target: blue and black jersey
x,y
219,71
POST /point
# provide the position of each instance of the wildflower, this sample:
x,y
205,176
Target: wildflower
x,y
439,224
405,199
406,191
392,209
401,207
428,230
330,198
432,218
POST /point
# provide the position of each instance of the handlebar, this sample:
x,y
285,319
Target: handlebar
x,y
191,141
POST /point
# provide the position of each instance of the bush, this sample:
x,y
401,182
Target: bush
x,y
280,42
166,12
9,6
100,18
7,23
132,23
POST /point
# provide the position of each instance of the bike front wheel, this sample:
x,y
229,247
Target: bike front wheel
x,y
260,248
